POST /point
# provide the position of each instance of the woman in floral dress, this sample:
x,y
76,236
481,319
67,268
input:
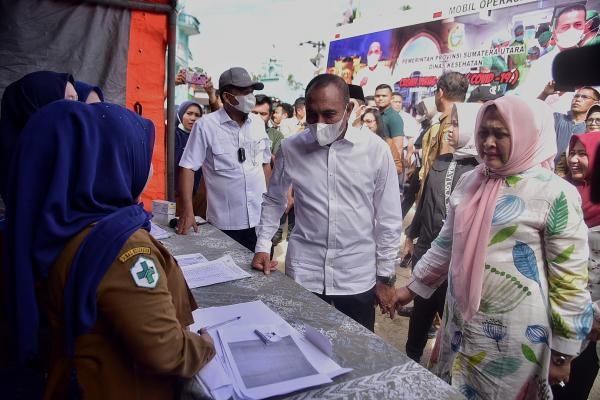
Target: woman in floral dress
x,y
514,249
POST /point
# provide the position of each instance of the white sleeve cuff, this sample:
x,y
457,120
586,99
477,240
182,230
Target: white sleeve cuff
x,y
571,347
263,245
420,288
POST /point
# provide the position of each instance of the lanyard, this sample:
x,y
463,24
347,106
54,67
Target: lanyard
x,y
448,183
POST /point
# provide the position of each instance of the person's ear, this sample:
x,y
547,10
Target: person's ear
x,y
351,104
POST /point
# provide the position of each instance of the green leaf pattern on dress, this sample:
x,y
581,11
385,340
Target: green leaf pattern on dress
x,y
529,354
558,216
503,366
502,292
561,286
564,255
513,180
503,234
560,327
444,242
462,362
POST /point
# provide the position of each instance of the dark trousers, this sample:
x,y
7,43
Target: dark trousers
x,y
245,237
360,307
584,370
420,321
290,217
410,194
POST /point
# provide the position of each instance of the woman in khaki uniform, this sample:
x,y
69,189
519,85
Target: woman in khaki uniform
x,y
81,258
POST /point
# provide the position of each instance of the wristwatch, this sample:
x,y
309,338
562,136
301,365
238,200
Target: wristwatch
x,y
387,280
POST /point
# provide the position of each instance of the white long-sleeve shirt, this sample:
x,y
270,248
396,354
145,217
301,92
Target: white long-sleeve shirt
x,y
234,189
347,206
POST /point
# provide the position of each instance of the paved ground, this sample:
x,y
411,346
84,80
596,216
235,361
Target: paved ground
x,y
395,331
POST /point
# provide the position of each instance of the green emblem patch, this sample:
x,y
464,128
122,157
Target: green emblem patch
x,y
144,273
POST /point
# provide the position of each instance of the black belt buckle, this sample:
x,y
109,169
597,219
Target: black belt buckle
x,y
241,154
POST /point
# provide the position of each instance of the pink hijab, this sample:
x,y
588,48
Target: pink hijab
x,y
473,216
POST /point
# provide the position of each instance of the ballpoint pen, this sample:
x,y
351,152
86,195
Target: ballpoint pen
x,y
262,336
218,324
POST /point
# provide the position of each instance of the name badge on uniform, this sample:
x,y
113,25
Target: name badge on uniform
x,y
144,273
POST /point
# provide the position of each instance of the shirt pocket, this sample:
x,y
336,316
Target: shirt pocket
x,y
223,159
304,272
257,151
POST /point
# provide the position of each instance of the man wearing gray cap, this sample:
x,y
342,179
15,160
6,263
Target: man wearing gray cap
x,y
233,149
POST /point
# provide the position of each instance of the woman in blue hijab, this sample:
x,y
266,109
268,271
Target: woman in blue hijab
x,y
79,252
20,100
88,93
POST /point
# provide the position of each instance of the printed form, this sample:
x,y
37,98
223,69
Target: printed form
x,y
198,271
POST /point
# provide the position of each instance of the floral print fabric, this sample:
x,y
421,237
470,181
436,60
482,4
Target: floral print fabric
x,y
534,295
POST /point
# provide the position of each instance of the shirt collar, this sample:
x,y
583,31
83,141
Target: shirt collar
x,y
353,135
224,118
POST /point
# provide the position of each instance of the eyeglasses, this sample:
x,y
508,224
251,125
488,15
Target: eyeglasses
x,y
369,121
593,121
583,96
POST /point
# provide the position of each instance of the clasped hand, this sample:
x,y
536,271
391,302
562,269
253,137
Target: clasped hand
x,y
389,298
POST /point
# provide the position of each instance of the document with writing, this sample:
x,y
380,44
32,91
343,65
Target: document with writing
x,y
206,273
185,260
159,233
259,354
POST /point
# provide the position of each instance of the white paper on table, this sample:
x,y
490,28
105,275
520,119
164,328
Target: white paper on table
x,y
159,233
222,269
214,377
326,364
274,368
318,339
256,314
186,260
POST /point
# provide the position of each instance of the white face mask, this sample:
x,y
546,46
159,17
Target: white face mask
x,y
372,60
569,38
327,133
245,103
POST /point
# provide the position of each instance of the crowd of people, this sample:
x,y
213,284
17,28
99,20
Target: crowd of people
x,y
504,243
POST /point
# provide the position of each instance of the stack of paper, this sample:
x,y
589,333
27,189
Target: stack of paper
x,y
159,233
198,271
260,355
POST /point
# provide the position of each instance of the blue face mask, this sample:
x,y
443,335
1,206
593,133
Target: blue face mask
x,y
519,38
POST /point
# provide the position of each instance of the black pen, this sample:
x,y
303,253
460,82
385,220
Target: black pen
x,y
262,336
220,323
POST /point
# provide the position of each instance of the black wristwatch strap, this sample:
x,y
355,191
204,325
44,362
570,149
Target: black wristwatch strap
x,y
388,280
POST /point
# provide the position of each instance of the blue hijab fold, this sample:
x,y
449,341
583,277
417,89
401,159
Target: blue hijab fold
x,y
84,89
78,164
20,100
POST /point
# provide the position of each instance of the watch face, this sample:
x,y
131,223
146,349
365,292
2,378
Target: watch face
x,y
388,280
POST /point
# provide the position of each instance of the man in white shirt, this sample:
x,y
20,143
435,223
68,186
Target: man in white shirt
x,y
296,123
375,72
568,31
412,128
347,201
233,149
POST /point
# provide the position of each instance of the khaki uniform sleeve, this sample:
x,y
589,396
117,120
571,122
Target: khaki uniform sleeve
x,y
134,298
